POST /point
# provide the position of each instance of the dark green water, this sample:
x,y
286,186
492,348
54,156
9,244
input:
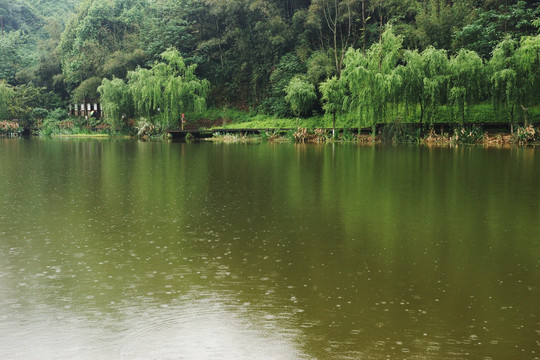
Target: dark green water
x,y
129,250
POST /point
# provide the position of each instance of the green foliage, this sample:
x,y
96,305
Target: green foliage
x,y
58,122
334,22
372,78
147,130
466,81
400,133
170,23
167,89
320,67
333,95
300,95
437,20
527,63
14,54
92,40
9,128
6,94
252,49
526,134
491,26
504,82
57,115
38,114
425,81
468,134
239,43
27,97
87,91
116,102
288,67
347,135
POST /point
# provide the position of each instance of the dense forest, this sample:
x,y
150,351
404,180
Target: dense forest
x,y
378,59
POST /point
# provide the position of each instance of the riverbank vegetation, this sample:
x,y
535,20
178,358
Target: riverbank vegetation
x,y
387,133
309,64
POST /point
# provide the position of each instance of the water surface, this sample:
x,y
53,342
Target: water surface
x,y
130,250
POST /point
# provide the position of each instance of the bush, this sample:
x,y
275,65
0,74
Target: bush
x,y
525,134
10,128
401,133
148,131
468,134
347,135
301,96
57,115
58,122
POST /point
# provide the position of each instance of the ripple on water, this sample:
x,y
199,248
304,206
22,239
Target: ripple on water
x,y
203,330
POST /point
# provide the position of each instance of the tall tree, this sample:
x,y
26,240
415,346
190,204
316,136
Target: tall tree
x,y
492,24
425,81
6,93
335,22
12,53
504,81
467,81
116,102
528,67
301,95
167,89
333,96
437,20
102,40
372,78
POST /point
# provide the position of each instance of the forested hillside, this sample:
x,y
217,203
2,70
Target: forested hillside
x,y
257,53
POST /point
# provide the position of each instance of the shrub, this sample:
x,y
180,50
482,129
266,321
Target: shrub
x,y
10,128
468,135
300,95
400,133
525,134
146,130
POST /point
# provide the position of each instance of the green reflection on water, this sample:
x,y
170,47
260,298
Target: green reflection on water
x,y
320,251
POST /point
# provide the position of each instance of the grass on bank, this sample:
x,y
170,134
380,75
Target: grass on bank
x,y
215,118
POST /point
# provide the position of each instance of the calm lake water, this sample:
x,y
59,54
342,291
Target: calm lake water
x,y
131,250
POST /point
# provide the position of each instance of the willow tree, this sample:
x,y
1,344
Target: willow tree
x,y
168,89
116,102
333,95
467,81
425,79
373,79
504,81
413,75
300,95
528,67
6,93
436,80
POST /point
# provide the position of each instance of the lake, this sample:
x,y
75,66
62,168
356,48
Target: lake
x,y
117,249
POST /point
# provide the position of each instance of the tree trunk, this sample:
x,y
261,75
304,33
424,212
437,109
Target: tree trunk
x,y
380,21
364,26
219,46
335,30
334,124
512,119
525,116
421,112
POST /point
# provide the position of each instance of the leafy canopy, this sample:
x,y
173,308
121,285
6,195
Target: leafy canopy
x,y
300,95
167,89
